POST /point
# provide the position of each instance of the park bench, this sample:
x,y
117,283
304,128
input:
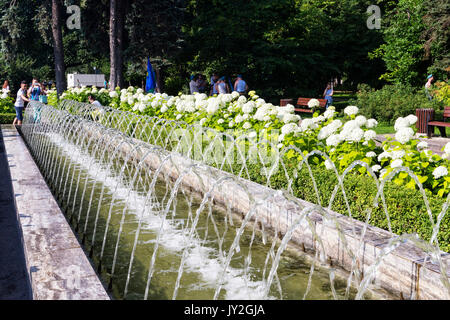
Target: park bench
x,y
440,124
303,102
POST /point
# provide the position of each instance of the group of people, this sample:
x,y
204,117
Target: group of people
x,y
217,85
25,95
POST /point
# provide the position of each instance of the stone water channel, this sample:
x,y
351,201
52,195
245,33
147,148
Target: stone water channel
x,y
152,236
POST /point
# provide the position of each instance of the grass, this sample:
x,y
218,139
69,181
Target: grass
x,y
384,128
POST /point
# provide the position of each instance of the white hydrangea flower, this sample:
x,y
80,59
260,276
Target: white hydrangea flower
x,y
213,107
329,113
202,121
308,124
334,140
248,107
401,123
412,119
447,148
239,119
113,94
280,145
289,128
422,145
231,124
397,154
313,103
329,164
404,134
220,121
383,174
369,135
371,123
164,109
351,110
235,94
356,135
242,100
179,116
396,163
247,125
440,172
361,120
287,118
324,133
371,154
384,155
376,168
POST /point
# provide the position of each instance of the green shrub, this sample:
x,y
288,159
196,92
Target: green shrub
x,y
7,118
393,101
406,208
7,105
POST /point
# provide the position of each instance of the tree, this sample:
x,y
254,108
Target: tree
x,y
116,25
58,48
403,50
437,37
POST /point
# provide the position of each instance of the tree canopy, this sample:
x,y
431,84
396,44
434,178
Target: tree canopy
x,y
283,48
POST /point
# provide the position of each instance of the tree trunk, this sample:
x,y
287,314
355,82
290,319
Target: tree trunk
x,y
112,43
119,49
58,50
116,28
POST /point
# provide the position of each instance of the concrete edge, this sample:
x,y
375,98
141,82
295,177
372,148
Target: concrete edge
x,y
57,265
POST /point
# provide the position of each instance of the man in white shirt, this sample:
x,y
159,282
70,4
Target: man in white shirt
x,y
19,105
94,101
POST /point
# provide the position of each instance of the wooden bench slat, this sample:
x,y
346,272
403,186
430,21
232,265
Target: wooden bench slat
x,y
439,123
303,110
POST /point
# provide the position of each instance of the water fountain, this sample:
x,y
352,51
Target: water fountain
x,y
160,225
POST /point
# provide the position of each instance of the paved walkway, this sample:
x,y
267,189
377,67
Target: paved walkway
x,y
435,144
14,279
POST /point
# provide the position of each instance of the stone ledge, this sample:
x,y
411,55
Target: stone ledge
x,y
58,267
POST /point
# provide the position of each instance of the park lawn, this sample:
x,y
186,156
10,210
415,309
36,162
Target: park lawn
x,y
384,128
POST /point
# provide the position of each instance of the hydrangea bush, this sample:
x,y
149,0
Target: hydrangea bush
x,y
6,103
344,139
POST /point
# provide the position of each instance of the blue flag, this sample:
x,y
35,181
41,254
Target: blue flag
x,y
150,83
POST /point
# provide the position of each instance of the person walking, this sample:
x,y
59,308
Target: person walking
x,y
35,90
193,85
328,95
19,105
221,86
240,85
430,79
201,83
5,88
214,79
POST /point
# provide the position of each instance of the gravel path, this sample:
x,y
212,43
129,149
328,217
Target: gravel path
x,y
435,144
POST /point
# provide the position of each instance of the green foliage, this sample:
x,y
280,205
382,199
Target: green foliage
x,y
7,118
406,208
403,48
437,37
442,92
284,48
393,101
7,105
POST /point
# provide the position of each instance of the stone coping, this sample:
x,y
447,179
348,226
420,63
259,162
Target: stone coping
x,y
57,266
406,272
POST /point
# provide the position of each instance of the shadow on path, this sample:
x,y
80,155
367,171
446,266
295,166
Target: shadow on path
x,y
14,279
